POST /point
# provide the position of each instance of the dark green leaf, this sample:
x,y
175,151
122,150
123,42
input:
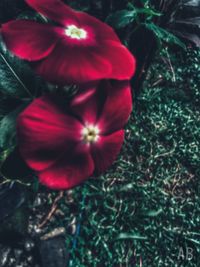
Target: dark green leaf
x,y
194,38
8,104
13,212
11,198
164,35
121,18
16,77
148,11
8,129
14,167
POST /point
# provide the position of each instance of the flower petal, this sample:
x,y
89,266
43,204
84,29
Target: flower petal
x,y
71,170
117,107
87,103
63,14
55,10
45,132
101,29
73,65
122,61
105,151
28,39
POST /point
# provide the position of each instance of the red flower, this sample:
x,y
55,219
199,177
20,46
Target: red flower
x,y
67,145
79,49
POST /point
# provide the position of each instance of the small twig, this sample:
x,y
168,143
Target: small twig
x,y
141,261
171,67
157,82
52,210
5,181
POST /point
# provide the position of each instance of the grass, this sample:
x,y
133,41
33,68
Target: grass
x,y
145,211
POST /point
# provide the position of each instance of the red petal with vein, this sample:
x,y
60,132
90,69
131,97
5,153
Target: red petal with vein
x,y
28,39
105,151
55,10
45,132
122,62
87,103
73,65
61,13
117,107
102,30
72,169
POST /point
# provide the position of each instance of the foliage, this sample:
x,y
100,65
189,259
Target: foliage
x,y
146,208
174,17
7,130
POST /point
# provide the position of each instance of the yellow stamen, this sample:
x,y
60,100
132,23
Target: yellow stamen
x,y
74,32
90,134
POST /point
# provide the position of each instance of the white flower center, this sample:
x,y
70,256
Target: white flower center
x,y
75,33
90,134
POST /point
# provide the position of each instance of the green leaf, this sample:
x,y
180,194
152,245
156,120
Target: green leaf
x,y
12,197
148,11
16,77
164,35
121,18
13,166
8,129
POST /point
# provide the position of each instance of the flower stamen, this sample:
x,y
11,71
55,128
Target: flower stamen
x,y
90,134
74,32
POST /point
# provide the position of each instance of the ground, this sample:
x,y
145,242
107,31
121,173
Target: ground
x,y
144,211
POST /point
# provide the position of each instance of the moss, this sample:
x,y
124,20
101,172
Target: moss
x,y
145,209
